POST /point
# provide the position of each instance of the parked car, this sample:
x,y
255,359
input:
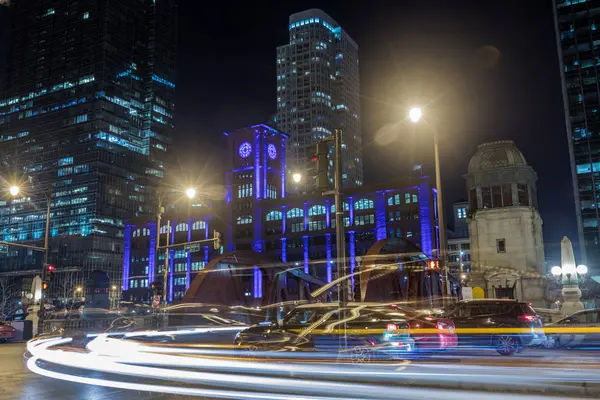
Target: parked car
x,y
7,332
372,332
581,319
492,314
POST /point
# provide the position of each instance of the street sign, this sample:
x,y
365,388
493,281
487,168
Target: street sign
x,y
467,293
191,248
3,249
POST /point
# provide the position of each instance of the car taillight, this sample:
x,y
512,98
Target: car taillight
x,y
529,317
391,327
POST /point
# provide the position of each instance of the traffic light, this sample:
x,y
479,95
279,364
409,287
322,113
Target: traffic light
x,y
50,272
44,285
322,165
156,288
434,265
218,240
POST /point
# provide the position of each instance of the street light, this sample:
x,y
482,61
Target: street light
x,y
78,289
14,190
297,177
190,193
415,114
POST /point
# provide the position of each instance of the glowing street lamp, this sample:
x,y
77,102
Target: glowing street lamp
x,y
78,290
415,114
14,190
296,177
190,193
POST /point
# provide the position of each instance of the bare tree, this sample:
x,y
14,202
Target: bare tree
x,y
66,284
7,291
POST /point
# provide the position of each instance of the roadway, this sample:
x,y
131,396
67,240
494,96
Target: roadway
x,y
557,370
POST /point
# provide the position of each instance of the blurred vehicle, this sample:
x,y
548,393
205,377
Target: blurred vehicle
x,y
581,319
492,314
7,332
422,323
371,332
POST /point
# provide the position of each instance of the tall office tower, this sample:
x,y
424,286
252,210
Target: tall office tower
x,y
318,91
87,118
578,40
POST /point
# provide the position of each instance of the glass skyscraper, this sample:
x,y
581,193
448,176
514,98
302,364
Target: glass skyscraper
x,y
578,41
318,91
87,114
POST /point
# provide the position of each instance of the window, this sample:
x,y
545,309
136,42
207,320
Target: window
x,y
65,161
295,213
346,207
244,190
346,222
316,225
297,226
164,229
85,15
65,171
452,247
407,198
473,199
507,195
523,195
501,245
461,213
364,204
415,198
316,210
180,254
364,219
179,281
486,197
244,219
198,265
198,225
183,227
496,196
274,216
180,267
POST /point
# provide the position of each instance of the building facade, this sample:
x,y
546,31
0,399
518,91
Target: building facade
x,y
578,41
459,244
505,228
86,118
318,91
294,232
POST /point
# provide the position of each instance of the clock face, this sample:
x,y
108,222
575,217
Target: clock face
x,y
245,150
272,150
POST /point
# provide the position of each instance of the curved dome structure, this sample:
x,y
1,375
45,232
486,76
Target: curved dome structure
x,y
496,155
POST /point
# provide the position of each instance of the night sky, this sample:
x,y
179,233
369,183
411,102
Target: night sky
x,y
485,70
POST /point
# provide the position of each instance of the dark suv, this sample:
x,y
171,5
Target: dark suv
x,y
506,326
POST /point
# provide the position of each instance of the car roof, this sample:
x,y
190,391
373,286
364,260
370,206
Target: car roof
x,y
491,301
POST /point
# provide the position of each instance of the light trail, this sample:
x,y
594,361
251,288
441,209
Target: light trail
x,y
302,376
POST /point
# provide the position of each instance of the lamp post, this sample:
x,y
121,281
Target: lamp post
x,y
570,277
162,195
14,191
415,115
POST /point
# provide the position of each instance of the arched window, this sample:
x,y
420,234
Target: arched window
x,y
316,210
145,232
244,219
198,225
295,213
274,216
164,229
407,198
183,227
136,233
415,198
364,204
346,207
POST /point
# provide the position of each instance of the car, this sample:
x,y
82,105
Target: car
x,y
372,332
581,319
492,314
7,332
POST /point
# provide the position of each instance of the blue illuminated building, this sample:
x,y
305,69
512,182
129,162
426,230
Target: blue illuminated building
x,y
297,231
88,112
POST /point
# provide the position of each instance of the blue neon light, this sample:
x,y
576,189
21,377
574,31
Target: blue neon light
x,y
257,165
284,250
352,257
152,253
380,222
328,247
283,168
257,283
188,267
425,219
126,257
305,254
171,261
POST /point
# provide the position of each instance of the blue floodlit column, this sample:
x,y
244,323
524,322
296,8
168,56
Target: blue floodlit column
x,y
329,261
126,257
305,254
152,252
188,267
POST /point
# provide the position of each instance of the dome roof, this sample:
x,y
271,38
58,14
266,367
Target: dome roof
x,y
495,155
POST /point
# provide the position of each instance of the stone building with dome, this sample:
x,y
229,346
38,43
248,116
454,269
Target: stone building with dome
x,y
505,227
